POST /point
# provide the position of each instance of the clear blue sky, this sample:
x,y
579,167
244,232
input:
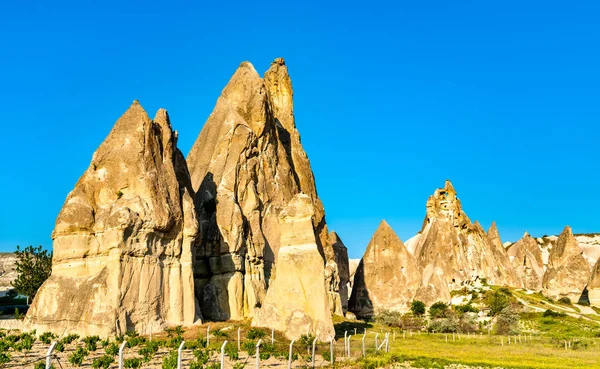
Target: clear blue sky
x,y
501,97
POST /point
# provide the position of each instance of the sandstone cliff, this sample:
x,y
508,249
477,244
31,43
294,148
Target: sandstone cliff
x,y
246,166
123,239
452,251
526,257
296,301
568,272
387,276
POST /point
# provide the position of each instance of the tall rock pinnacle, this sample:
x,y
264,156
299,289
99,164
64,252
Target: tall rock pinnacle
x,y
451,250
568,272
387,276
123,239
526,257
246,166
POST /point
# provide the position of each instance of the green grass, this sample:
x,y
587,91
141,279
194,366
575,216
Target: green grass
x,y
540,353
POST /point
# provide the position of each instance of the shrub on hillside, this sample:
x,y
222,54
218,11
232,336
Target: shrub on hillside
x,y
389,318
553,314
507,321
417,308
438,310
565,300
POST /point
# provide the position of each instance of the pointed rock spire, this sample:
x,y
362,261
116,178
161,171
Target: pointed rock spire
x,y
593,287
526,258
123,239
568,272
343,265
387,276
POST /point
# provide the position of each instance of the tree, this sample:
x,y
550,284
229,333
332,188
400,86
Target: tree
x,y
438,310
417,307
33,267
507,321
499,300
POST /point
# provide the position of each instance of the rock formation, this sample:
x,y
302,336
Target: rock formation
x,y
246,166
526,258
296,301
511,279
8,271
589,244
568,272
387,276
123,239
342,261
353,265
452,251
593,287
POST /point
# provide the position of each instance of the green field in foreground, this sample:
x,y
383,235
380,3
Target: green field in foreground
x,y
432,351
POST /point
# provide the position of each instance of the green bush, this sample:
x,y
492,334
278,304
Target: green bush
x,y
202,355
133,363
507,321
195,364
4,358
238,365
112,349
499,300
91,342
255,334
467,308
327,355
438,310
389,318
417,308
213,366
60,346
249,347
565,300
170,361
232,351
47,337
103,362
77,357
70,338
553,314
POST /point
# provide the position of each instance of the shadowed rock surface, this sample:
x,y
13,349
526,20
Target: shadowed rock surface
x,y
246,165
568,272
343,265
387,276
123,239
526,258
452,251
593,287
296,301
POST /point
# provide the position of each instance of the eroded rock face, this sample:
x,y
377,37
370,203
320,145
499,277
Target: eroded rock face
x,y
296,301
526,258
123,239
246,166
568,271
593,287
343,265
8,271
387,276
452,251
510,276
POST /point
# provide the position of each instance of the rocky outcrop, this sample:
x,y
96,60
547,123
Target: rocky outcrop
x,y
526,258
511,278
123,239
387,276
453,251
8,271
568,272
246,166
589,244
593,287
343,265
296,301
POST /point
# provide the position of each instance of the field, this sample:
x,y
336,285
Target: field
x,y
543,349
